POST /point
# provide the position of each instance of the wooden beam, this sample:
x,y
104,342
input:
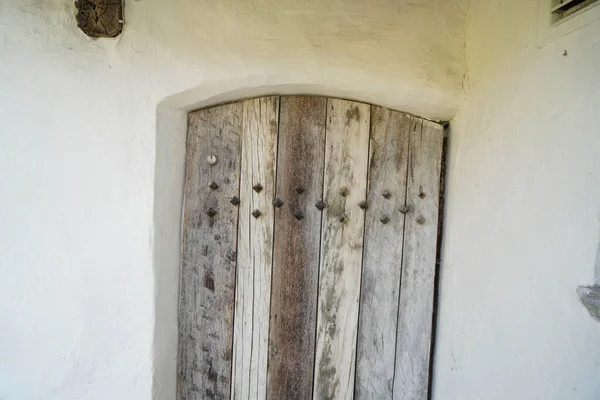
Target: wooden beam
x,y
415,312
296,247
346,163
382,256
255,248
209,253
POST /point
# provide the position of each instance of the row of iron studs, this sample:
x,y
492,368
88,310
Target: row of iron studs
x,y
320,205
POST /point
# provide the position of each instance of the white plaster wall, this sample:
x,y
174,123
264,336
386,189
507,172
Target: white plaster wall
x,y
522,214
91,154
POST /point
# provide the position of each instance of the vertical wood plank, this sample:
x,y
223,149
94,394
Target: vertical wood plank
x,y
382,255
346,159
255,249
418,269
296,247
208,254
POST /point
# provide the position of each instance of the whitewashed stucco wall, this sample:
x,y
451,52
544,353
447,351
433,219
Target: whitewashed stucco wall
x,y
89,227
522,215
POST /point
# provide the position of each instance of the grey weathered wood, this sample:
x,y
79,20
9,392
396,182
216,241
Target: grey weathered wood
x,y
346,163
296,247
382,255
419,258
255,249
297,334
208,254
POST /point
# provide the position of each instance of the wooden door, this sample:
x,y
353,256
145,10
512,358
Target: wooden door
x,y
309,249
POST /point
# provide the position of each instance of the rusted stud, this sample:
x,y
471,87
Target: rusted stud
x,y
278,202
213,185
320,205
235,200
257,188
232,256
211,160
211,212
384,219
363,204
344,192
343,218
420,220
256,213
300,190
421,195
299,215
404,209
386,194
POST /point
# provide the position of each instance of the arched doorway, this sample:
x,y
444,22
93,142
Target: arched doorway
x,y
309,246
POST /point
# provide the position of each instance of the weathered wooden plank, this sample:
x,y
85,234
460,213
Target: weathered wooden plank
x,y
382,255
296,247
346,163
418,267
255,249
208,253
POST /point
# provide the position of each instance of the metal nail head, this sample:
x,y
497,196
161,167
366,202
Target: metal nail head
x,y
384,219
213,186
256,213
404,209
235,200
386,194
211,160
211,212
363,204
299,215
320,205
300,190
278,202
343,218
232,255
420,220
257,188
344,192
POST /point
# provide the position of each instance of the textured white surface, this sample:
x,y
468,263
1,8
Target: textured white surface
x,y
90,179
91,194
522,215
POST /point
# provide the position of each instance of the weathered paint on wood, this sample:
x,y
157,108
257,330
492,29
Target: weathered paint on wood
x,y
296,247
346,163
208,253
255,249
382,255
419,258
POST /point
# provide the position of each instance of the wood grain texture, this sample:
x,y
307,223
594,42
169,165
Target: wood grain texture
x,y
382,255
296,247
419,257
209,254
100,18
255,249
346,163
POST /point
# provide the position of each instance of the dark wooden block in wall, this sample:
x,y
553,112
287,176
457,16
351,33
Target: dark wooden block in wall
x,y
100,18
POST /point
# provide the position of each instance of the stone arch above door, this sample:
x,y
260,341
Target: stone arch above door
x,y
309,249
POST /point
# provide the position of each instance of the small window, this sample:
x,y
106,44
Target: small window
x,y
557,18
562,9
